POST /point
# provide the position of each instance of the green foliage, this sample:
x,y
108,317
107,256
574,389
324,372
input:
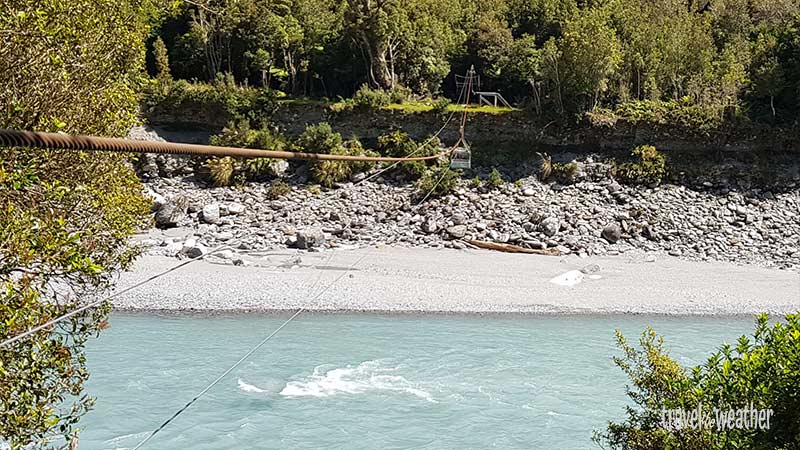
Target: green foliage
x,y
590,55
220,102
475,183
320,138
566,173
441,104
649,167
355,148
161,60
684,113
555,56
436,182
221,170
241,135
763,372
398,144
65,216
277,189
495,179
327,173
224,171
366,98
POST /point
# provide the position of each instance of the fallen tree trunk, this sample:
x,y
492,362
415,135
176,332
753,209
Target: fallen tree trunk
x,y
510,248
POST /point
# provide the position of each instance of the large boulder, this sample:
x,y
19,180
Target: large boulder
x,y
612,233
172,212
310,238
211,213
550,226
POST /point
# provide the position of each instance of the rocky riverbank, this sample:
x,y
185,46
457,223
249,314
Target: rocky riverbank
x,y
586,218
706,219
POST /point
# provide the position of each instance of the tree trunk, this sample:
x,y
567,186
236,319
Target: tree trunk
x,y
772,105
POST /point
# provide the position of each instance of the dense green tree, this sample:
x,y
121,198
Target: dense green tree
x,y
591,53
161,60
557,55
64,216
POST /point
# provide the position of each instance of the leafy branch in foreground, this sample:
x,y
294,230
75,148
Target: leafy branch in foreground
x,y
65,217
762,373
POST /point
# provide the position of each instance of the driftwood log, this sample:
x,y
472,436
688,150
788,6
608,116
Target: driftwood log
x,y
510,248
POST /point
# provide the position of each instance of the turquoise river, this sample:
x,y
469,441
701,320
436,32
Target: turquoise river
x,y
372,381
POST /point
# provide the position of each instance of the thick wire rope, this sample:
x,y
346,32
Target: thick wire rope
x,y
216,250
246,355
33,139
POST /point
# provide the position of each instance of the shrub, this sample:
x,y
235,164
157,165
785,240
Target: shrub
x,y
398,144
650,167
400,94
327,173
241,135
218,102
319,138
566,173
441,104
475,183
354,148
221,170
278,189
436,183
763,372
256,168
682,113
367,98
314,190
495,179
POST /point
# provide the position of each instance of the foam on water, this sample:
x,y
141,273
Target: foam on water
x,y
365,377
246,387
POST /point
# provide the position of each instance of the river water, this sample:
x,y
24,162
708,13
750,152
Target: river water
x,y
372,381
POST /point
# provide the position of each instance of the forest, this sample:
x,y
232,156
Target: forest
x,y
730,58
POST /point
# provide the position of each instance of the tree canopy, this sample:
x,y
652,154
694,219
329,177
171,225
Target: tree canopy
x,y
557,55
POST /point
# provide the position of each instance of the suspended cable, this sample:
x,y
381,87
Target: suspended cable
x,y
32,139
246,355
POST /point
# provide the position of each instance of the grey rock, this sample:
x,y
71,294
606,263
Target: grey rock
x,y
459,219
612,233
550,226
312,237
591,268
193,250
210,213
235,209
457,231
172,212
429,225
